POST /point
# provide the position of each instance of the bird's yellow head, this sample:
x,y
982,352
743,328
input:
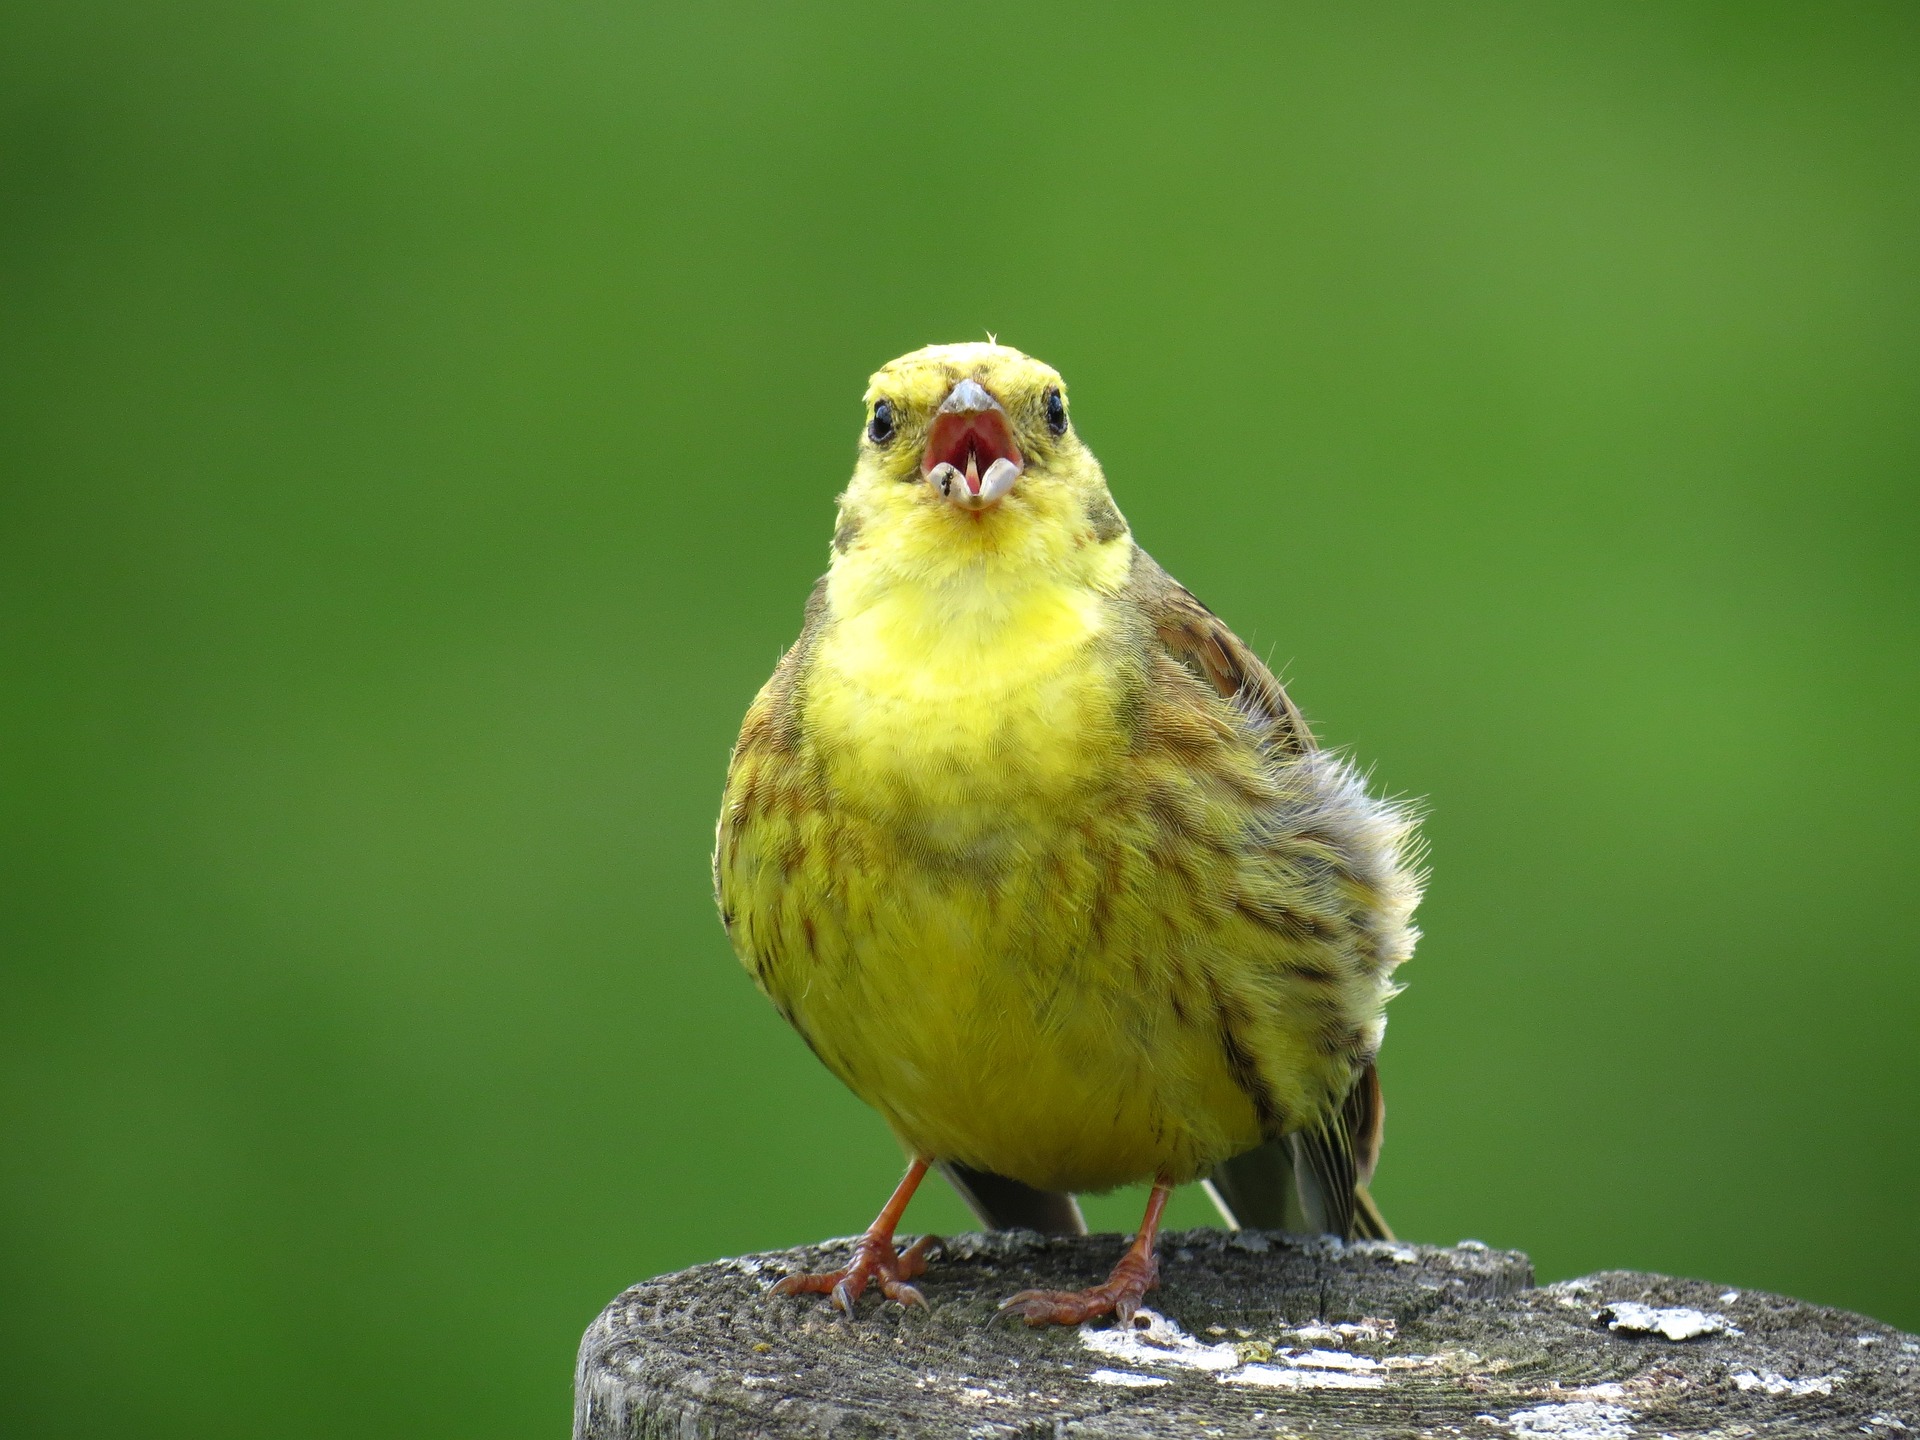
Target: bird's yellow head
x,y
967,457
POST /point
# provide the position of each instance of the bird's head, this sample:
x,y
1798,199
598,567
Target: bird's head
x,y
967,452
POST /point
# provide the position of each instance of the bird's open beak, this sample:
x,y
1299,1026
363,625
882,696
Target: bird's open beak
x,y
971,458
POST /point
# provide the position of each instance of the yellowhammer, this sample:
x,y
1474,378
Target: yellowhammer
x,y
1042,862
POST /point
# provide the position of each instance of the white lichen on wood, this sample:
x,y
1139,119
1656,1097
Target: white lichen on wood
x,y
1676,1322
1153,1339
1130,1378
1776,1384
1573,1420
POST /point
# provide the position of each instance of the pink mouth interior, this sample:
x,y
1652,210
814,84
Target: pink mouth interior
x,y
970,441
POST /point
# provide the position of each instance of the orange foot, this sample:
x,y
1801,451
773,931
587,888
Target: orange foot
x,y
1137,1273
874,1259
1121,1296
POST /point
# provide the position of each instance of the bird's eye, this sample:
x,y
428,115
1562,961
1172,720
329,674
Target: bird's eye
x,y
1056,411
880,427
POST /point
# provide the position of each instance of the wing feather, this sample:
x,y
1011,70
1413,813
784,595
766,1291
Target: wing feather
x,y
1197,638
1316,1177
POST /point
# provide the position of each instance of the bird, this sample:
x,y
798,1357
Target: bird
x,y
1044,864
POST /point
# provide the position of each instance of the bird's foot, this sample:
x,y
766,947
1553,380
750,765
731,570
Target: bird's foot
x,y
1137,1273
874,1261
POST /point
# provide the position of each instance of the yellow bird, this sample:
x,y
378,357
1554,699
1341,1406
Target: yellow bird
x,y
1042,862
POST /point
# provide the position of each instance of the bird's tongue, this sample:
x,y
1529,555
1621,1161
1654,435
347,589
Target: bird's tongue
x,y
973,471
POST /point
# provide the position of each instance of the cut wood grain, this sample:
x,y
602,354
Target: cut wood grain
x,y
1251,1334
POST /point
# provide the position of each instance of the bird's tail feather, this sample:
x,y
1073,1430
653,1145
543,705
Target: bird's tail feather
x,y
1003,1204
1368,1222
1312,1182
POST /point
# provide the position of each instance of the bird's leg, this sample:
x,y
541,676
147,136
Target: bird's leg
x,y
873,1258
1137,1273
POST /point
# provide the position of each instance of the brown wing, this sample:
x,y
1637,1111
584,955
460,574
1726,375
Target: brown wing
x,y
1329,1164
1197,638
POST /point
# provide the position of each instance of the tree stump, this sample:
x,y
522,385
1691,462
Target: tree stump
x,y
1251,1333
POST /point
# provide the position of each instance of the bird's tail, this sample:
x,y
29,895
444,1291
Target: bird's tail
x,y
1312,1182
1003,1204
1368,1222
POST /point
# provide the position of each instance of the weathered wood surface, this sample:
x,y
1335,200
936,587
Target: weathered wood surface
x,y
1250,1334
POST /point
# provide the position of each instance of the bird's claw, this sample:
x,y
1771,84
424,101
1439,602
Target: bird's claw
x,y
1126,1287
874,1262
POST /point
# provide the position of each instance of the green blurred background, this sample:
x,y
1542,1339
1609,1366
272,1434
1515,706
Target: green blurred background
x,y
419,426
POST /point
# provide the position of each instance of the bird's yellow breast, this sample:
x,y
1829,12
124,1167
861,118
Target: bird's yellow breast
x,y
953,709
960,909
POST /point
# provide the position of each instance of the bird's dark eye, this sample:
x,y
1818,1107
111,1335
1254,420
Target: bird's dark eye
x,y
880,427
1056,411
